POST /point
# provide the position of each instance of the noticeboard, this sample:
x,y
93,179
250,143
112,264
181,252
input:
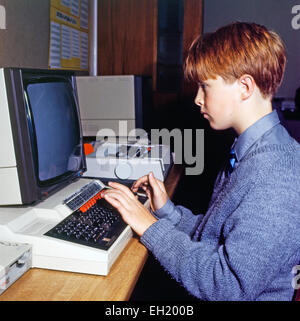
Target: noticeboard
x,y
69,34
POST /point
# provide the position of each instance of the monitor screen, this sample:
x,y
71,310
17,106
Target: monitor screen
x,y
54,128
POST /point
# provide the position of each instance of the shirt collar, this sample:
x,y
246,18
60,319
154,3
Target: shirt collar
x,y
253,133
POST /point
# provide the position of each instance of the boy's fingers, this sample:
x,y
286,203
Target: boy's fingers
x,y
154,183
119,198
141,181
122,188
114,202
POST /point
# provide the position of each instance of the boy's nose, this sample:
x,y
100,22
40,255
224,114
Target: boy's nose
x,y
199,99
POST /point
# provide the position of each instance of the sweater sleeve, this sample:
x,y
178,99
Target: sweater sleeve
x,y
179,216
251,250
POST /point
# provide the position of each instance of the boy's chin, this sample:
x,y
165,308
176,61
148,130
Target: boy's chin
x,y
218,126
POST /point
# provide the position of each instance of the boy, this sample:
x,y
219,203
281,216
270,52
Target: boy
x,y
245,246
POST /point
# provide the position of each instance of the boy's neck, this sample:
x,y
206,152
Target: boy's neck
x,y
251,112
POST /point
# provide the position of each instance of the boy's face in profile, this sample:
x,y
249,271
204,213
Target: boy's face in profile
x,y
218,101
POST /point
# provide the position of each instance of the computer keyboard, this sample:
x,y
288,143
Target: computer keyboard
x,y
96,223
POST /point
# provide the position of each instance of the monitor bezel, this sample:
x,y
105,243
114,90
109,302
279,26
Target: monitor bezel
x,y
31,190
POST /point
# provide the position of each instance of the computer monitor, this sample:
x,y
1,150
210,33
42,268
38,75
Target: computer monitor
x,y
41,141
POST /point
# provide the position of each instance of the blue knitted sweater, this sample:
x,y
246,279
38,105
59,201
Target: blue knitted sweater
x,y
245,246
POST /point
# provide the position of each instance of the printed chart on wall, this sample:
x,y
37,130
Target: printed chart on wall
x,y
69,34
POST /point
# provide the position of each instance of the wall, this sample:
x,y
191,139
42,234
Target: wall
x,y
275,14
25,41
127,44
127,36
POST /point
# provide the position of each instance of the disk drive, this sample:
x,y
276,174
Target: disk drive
x,y
15,260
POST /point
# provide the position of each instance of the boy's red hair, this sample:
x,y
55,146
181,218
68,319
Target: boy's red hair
x,y
237,49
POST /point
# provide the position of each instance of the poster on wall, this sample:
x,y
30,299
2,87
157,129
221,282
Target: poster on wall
x,y
69,34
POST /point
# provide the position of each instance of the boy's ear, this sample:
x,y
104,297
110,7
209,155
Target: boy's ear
x,y
247,85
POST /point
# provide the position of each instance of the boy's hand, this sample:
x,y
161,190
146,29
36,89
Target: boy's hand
x,y
155,190
132,211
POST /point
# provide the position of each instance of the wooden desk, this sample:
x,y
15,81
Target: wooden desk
x,y
49,285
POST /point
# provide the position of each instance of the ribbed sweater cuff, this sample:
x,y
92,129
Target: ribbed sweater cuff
x,y
169,211
155,233
165,209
